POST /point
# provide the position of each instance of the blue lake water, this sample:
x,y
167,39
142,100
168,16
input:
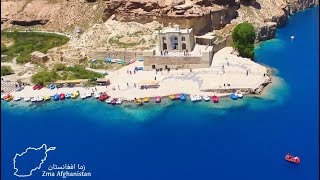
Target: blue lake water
x,y
243,139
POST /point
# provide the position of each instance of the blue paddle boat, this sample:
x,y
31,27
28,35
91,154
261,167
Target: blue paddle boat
x,y
233,96
182,97
56,97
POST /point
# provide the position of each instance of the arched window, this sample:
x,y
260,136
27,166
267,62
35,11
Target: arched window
x,y
183,38
163,38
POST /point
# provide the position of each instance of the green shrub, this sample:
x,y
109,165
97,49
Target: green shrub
x,y
243,37
59,67
6,70
28,42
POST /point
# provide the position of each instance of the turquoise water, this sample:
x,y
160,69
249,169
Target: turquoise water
x,y
243,139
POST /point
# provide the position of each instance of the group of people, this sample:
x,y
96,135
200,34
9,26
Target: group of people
x,y
164,53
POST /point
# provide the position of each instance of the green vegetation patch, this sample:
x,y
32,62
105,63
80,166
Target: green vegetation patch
x,y
28,42
62,72
243,37
6,70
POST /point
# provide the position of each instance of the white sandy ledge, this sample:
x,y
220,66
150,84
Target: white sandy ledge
x,y
202,81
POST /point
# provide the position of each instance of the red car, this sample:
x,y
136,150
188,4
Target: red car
x,y
37,87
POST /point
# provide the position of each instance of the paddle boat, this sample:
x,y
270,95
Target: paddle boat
x,y
108,101
138,101
193,98
52,86
215,99
158,99
2,97
206,98
39,99
177,96
83,95
114,101
62,96
233,96
293,159
46,98
182,97
56,97
68,95
88,94
75,95
34,99
239,95
103,97
8,97
96,95
172,96
146,99
26,99
119,101
17,98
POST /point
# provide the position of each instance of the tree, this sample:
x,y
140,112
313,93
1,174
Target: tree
x,y
6,70
243,36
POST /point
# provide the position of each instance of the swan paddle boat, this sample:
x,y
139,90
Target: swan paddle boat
x,y
83,96
39,99
96,95
183,97
206,98
103,97
75,95
46,98
88,94
56,97
215,99
119,101
239,95
108,101
172,97
17,98
158,99
62,96
27,99
8,97
138,101
233,96
293,159
146,99
34,99
114,101
68,95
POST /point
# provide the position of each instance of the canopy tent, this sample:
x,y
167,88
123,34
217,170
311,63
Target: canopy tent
x,y
149,83
75,81
103,80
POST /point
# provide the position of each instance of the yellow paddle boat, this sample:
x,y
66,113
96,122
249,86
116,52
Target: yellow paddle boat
x,y
138,101
75,95
172,96
8,97
46,98
146,99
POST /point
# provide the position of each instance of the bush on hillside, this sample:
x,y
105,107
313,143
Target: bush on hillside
x,y
243,37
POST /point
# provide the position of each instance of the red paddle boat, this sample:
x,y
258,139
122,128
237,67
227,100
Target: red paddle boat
x,y
62,96
293,159
215,99
103,97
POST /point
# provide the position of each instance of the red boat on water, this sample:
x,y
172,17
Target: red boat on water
x,y
294,159
103,97
215,99
62,96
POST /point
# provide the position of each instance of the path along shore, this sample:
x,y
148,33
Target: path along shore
x,y
228,73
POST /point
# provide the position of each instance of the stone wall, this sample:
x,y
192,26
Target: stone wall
x,y
124,55
174,62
